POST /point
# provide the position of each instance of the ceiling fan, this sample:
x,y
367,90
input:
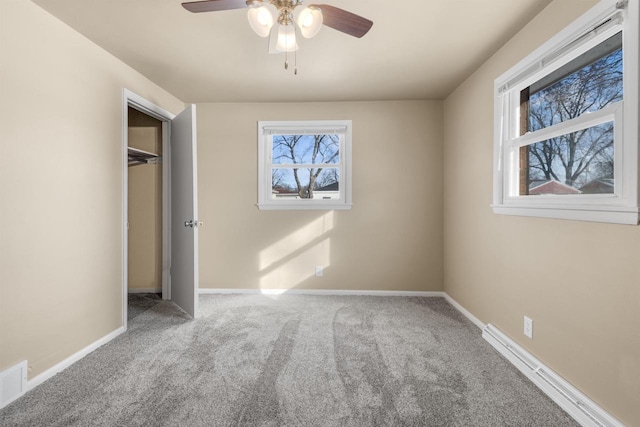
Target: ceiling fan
x,y
290,16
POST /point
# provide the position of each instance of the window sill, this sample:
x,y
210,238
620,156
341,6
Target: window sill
x,y
613,215
304,207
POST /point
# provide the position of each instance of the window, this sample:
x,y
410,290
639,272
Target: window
x,y
304,165
566,123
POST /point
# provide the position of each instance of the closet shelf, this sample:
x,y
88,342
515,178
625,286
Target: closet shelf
x,y
141,157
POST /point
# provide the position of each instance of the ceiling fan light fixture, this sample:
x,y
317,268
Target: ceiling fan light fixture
x,y
262,18
291,17
309,20
286,39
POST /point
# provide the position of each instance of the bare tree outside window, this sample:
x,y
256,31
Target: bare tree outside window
x,y
313,158
579,158
328,178
277,178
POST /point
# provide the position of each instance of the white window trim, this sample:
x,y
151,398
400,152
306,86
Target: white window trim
x,y
265,202
620,207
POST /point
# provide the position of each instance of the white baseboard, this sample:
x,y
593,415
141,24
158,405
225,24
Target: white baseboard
x,y
13,383
464,311
569,398
144,290
204,291
39,379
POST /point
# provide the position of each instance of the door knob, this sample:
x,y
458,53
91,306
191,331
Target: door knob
x,y
192,223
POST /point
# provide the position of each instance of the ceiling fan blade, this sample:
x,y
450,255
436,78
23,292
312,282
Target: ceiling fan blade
x,y
214,5
341,20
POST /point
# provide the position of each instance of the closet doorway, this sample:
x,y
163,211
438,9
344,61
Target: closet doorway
x,y
160,205
145,212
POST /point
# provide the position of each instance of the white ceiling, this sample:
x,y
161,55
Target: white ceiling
x,y
417,49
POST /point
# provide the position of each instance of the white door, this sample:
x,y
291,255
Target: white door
x,y
184,212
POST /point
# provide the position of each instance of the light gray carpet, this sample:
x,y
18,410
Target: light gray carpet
x,y
139,303
292,360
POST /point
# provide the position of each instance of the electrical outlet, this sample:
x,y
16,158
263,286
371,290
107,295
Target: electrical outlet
x,y
528,327
319,271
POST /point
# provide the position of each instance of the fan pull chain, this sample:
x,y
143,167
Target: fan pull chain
x,y
295,55
286,55
286,50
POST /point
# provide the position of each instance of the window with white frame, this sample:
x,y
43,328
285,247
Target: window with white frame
x,y
304,165
566,123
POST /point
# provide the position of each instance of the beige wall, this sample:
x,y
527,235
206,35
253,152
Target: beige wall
x,y
145,206
60,186
61,212
390,240
579,281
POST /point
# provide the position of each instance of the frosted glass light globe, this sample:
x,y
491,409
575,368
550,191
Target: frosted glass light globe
x,y
261,19
286,39
309,19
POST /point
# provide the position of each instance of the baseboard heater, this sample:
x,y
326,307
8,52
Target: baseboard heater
x,y
576,404
13,383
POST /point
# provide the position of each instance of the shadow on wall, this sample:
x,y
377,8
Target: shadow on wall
x,y
286,263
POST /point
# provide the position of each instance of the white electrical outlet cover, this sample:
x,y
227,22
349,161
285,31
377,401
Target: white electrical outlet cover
x,y
528,327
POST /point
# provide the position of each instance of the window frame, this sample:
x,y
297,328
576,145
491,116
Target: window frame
x,y
604,20
265,164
